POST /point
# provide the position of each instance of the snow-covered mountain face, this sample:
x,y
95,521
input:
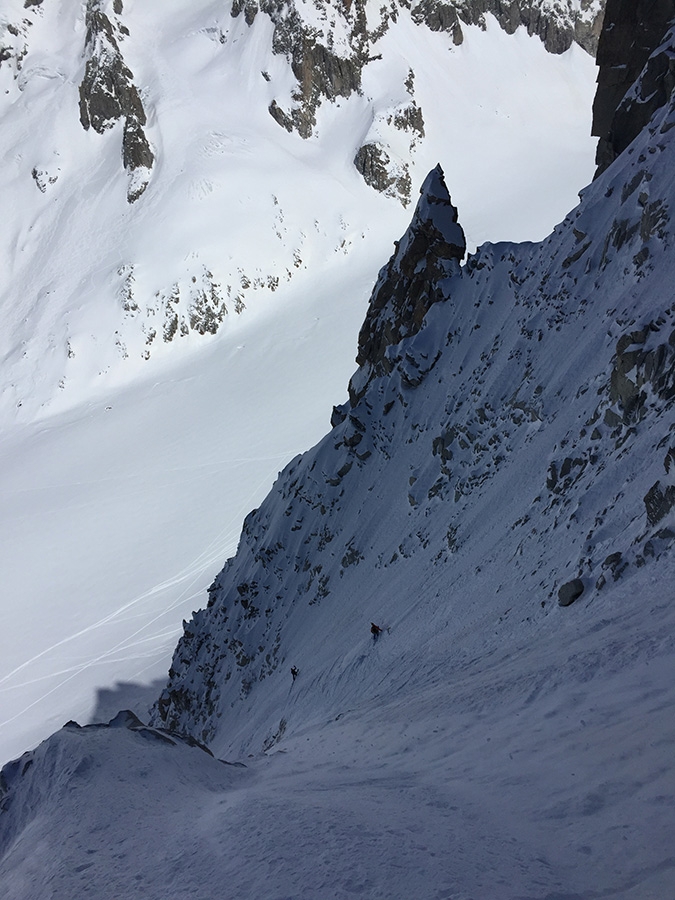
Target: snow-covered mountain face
x,y
162,161
509,434
125,479
498,494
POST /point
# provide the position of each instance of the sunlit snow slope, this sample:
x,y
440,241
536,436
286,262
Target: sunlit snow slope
x,y
124,480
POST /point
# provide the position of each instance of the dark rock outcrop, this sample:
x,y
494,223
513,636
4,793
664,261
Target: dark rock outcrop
x,y
558,27
374,164
629,42
570,592
639,373
324,72
382,168
108,94
439,17
321,73
659,500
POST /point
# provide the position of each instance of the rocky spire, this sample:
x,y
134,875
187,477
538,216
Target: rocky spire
x,y
408,285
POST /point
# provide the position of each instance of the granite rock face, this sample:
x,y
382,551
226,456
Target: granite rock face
x,y
628,45
409,284
559,25
375,165
108,94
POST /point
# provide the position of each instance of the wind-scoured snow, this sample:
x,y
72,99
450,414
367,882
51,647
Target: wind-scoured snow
x,y
520,439
513,452
531,772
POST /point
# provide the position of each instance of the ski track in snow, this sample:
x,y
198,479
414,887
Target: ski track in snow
x,y
183,589
134,637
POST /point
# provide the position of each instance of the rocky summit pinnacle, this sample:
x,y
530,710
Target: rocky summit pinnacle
x,y
431,249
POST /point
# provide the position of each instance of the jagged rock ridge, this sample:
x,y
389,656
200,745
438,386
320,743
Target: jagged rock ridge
x,y
557,24
429,251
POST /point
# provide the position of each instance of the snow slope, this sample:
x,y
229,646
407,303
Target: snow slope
x,y
496,741
124,480
516,446
117,514
520,439
531,772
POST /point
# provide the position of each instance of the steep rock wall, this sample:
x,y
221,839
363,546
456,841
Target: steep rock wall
x,y
634,30
108,93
